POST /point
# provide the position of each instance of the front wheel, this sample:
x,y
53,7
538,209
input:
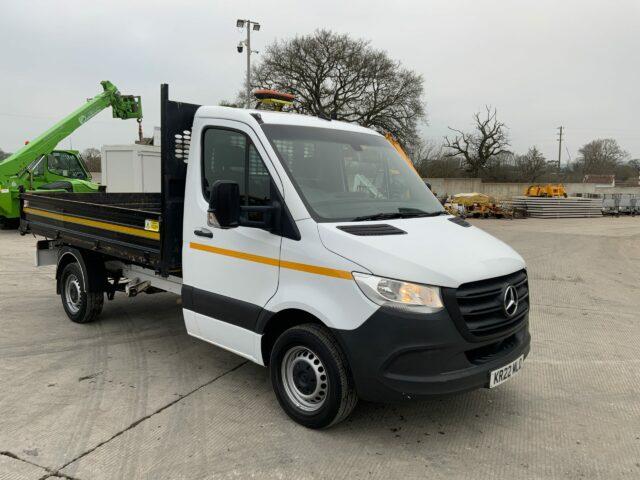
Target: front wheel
x,y
310,377
80,305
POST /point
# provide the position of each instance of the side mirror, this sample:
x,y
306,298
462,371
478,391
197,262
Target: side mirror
x,y
224,205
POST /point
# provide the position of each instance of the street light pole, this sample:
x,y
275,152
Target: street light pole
x,y
248,64
249,24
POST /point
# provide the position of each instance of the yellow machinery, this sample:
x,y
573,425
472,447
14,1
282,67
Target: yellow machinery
x,y
546,190
395,144
273,99
476,205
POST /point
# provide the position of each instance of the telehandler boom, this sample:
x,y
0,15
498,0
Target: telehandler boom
x,y
37,166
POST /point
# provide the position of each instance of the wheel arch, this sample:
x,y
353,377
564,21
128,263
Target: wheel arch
x,y
90,263
272,325
66,256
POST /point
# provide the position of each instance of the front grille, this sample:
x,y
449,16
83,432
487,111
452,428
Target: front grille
x,y
481,304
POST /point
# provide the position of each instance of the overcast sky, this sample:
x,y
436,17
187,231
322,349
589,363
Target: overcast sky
x,y
541,63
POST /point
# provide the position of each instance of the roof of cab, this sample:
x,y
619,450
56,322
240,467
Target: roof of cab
x,y
281,118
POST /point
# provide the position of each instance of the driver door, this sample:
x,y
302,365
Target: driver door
x,y
229,274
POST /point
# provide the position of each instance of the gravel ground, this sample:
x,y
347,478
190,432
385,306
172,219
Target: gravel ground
x,y
132,396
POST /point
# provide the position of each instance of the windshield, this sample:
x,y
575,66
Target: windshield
x,y
36,167
66,165
344,176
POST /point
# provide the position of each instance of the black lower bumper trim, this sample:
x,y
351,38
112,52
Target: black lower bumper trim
x,y
396,355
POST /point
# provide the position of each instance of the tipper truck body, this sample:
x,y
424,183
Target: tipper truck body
x,y
305,245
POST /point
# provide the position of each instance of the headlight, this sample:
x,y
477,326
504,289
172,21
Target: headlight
x,y
407,296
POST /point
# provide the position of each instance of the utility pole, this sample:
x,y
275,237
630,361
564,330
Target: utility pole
x,y
247,43
559,147
248,65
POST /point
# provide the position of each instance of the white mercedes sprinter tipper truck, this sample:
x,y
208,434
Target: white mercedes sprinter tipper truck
x,y
305,245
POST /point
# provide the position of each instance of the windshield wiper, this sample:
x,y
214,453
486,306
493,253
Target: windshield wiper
x,y
378,216
392,215
430,214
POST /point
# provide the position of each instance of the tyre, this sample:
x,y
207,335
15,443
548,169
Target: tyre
x,y
80,305
311,378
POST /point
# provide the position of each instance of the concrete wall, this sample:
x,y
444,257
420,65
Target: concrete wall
x,y
634,190
451,186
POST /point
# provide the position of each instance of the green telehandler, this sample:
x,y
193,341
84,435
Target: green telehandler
x,y
38,166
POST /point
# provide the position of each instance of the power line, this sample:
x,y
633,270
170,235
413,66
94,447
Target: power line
x,y
568,153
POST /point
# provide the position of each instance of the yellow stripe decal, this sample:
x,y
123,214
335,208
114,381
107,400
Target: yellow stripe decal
x,y
303,267
137,232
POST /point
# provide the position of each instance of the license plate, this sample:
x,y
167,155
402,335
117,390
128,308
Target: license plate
x,y
501,375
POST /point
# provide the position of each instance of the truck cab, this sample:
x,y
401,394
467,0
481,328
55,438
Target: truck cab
x,y
59,166
58,170
306,245
289,218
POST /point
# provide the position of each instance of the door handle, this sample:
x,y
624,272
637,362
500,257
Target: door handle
x,y
203,232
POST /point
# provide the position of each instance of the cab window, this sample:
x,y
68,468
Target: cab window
x,y
345,175
38,167
230,155
65,165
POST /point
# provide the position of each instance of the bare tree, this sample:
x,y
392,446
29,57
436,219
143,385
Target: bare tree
x,y
501,168
231,103
4,154
634,175
487,141
444,167
600,156
91,157
424,153
628,172
335,76
532,165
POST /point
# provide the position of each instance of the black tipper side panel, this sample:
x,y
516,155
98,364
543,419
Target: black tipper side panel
x,y
113,224
176,120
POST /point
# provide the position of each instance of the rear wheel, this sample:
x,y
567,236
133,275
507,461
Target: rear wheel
x,y
80,305
310,377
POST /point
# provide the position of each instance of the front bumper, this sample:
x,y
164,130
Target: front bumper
x,y
395,355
